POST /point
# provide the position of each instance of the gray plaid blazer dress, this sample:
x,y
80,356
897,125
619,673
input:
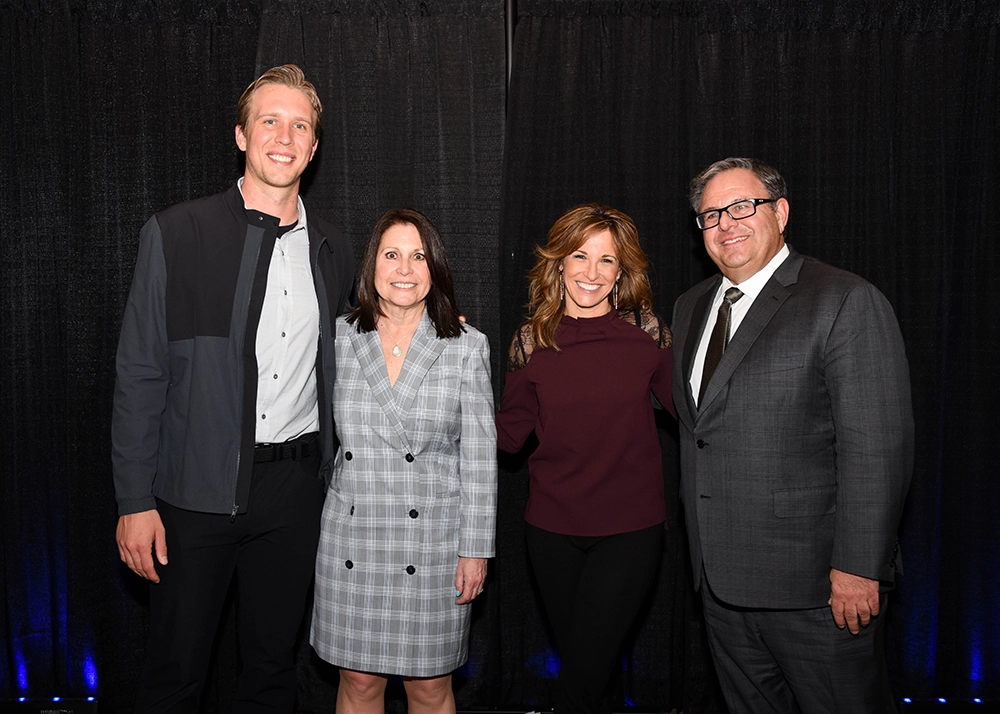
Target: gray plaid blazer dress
x,y
414,488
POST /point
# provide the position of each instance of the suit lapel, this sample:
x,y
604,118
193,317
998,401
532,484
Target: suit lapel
x,y
422,353
771,297
699,318
368,349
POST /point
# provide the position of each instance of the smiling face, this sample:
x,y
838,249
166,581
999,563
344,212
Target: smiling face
x,y
402,278
589,273
741,248
278,139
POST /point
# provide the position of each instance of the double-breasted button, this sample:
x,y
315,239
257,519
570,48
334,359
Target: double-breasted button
x,y
413,513
348,456
410,570
409,458
700,444
349,565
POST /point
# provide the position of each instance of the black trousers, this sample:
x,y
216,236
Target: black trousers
x,y
592,588
271,551
796,661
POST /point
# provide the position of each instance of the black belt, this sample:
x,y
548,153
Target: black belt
x,y
296,449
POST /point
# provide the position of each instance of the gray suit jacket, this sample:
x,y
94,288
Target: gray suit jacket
x,y
800,455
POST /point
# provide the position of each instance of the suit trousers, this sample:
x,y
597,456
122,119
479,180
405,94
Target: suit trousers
x,y
271,551
592,587
796,661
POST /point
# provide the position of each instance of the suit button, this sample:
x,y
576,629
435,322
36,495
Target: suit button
x,y
413,513
701,444
410,570
409,458
349,565
348,456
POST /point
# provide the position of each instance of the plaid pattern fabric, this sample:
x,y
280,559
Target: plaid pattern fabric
x,y
393,528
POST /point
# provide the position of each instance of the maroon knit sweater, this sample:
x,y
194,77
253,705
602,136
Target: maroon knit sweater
x,y
597,469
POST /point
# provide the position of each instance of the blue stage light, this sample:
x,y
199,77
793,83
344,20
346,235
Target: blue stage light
x,y
942,700
976,663
90,673
22,671
907,700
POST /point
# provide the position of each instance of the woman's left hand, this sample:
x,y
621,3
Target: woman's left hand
x,y
469,579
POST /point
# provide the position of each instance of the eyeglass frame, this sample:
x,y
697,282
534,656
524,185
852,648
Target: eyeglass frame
x,y
699,219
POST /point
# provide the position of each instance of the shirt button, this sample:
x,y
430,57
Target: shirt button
x,y
348,456
348,565
410,570
409,458
413,513
700,444
275,376
263,416
282,334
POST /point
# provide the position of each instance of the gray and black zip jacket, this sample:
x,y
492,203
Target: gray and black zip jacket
x,y
184,418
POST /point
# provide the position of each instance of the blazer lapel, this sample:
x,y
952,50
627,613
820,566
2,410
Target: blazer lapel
x,y
424,349
771,297
699,318
368,349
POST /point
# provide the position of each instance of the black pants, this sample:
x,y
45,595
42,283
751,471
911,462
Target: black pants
x,y
592,587
271,550
796,661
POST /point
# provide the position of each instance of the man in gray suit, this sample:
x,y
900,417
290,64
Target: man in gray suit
x,y
793,397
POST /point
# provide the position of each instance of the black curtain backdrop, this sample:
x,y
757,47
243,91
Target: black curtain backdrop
x,y
882,115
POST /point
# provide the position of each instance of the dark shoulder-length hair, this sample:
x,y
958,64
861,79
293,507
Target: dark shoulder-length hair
x,y
440,300
546,305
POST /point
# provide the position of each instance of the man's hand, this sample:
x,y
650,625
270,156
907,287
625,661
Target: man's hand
x,y
469,578
852,599
137,535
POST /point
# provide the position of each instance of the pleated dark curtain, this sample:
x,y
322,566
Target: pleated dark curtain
x,y
413,115
883,116
108,114
111,111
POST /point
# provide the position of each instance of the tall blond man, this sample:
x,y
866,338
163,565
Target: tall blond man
x,y
222,433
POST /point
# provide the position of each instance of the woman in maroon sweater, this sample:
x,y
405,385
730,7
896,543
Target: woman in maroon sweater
x,y
580,375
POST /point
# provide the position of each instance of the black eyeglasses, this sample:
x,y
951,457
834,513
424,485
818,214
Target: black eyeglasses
x,y
744,208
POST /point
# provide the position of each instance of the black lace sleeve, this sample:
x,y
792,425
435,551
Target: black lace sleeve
x,y
521,348
652,323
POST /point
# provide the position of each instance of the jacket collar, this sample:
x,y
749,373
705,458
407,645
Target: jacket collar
x,y
397,399
771,297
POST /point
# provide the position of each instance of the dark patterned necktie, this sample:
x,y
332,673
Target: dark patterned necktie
x,y
719,339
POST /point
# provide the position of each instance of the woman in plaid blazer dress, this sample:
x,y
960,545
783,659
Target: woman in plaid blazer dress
x,y
410,514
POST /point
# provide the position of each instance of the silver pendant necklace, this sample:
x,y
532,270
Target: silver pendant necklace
x,y
396,349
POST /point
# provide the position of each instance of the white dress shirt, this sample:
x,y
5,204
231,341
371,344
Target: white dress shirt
x,y
287,339
750,288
